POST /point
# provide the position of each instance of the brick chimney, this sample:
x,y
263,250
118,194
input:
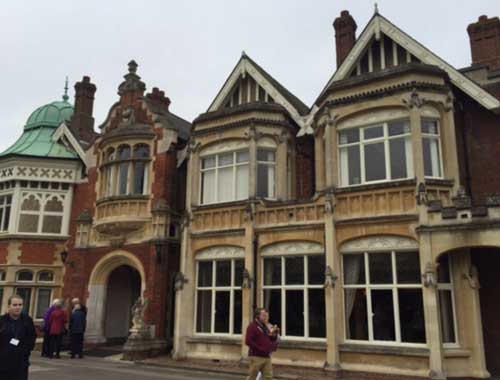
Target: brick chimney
x,y
82,122
485,42
345,35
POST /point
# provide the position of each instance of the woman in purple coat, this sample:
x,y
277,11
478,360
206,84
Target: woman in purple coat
x,y
46,329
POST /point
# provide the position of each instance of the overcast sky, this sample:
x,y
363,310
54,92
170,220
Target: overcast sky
x,y
188,48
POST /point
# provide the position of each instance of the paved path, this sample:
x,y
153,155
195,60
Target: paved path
x,y
106,369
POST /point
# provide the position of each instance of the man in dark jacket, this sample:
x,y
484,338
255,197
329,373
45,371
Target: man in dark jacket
x,y
261,340
17,340
77,325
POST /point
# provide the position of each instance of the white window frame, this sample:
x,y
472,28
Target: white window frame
x,y
268,164
451,288
216,169
213,290
439,140
4,206
36,300
364,142
394,287
42,281
43,197
283,287
25,281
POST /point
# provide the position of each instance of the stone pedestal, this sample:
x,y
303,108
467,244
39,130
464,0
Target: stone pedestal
x,y
140,345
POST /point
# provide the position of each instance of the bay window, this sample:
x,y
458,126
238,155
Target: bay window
x,y
41,213
294,295
376,153
225,177
447,301
431,145
125,170
383,297
219,296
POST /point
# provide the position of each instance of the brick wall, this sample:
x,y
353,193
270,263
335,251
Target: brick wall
x,y
304,162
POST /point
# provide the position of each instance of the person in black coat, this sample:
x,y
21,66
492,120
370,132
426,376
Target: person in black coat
x,y
17,340
77,325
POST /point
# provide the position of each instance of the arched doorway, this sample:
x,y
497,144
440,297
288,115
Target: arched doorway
x,y
123,288
116,281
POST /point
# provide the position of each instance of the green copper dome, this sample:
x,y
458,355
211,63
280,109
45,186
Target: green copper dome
x,y
50,115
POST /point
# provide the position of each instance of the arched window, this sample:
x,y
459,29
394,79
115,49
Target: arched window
x,y
24,276
45,276
41,213
30,213
123,171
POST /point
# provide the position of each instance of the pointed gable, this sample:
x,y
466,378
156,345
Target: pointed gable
x,y
383,45
248,82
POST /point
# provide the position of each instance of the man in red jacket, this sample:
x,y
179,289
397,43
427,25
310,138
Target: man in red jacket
x,y
261,340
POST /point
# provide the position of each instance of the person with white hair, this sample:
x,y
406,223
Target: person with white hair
x,y
46,328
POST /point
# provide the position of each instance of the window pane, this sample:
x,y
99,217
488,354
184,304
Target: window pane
x,y
25,275
6,220
446,312
272,302
399,128
124,152
380,268
25,293
139,177
294,270
356,312
375,162
411,315
398,158
383,315
54,204
226,159
52,224
266,155
122,188
205,273
430,127
432,164
408,268
28,223
223,273
317,322
373,132
354,269
222,307
349,136
444,275
225,184
272,271
141,151
350,165
1,296
316,269
238,312
204,311
239,267
31,204
243,156
208,162
295,313
265,181
46,276
43,302
208,187
242,186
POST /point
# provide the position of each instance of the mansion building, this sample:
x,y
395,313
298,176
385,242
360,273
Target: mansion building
x,y
368,223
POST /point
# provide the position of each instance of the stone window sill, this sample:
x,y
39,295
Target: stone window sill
x,y
376,186
385,350
457,353
215,340
303,345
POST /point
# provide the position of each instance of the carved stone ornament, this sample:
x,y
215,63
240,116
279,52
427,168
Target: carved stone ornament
x,y
292,247
138,310
422,198
253,134
377,243
449,104
247,280
179,281
330,278
128,116
429,276
221,252
415,100
472,277
329,205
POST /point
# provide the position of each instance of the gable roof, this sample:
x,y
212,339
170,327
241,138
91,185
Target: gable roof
x,y
295,107
379,24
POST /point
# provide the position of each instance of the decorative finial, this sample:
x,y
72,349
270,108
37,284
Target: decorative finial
x,y
132,67
376,8
65,96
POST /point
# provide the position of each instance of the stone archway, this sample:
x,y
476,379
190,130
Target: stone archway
x,y
98,290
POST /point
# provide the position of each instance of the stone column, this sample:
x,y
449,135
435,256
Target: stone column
x,y
449,144
281,167
333,294
96,310
416,139
319,158
248,292
431,309
253,163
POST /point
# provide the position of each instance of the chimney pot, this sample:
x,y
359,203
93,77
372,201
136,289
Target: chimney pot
x,y
82,122
484,37
345,35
